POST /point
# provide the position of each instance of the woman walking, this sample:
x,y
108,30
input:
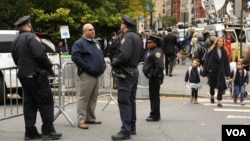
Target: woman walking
x,y
217,69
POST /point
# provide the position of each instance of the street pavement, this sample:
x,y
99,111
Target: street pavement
x,y
175,85
180,120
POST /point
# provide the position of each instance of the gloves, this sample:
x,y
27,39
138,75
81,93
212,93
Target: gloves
x,y
161,78
41,75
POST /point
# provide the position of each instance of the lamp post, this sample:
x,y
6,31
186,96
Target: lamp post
x,y
150,8
151,18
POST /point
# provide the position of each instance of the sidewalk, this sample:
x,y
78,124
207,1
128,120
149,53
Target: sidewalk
x,y
175,85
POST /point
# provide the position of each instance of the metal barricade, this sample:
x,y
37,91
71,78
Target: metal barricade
x,y
66,92
106,84
63,85
10,94
142,86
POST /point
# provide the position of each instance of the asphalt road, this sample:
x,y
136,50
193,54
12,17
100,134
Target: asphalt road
x,y
180,119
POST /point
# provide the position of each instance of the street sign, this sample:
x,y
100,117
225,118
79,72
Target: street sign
x,y
64,30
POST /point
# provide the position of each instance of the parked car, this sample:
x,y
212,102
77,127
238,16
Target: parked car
x,y
8,80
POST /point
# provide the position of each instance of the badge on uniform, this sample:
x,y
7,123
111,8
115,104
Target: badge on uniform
x,y
38,39
158,54
122,41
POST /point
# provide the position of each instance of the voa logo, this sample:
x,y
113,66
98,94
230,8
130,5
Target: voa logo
x,y
236,132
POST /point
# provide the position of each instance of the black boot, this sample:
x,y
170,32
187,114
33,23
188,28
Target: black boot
x,y
121,136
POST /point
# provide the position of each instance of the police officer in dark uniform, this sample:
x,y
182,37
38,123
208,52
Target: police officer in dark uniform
x,y
153,69
127,59
33,68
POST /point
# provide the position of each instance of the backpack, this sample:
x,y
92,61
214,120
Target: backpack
x,y
234,74
190,68
205,51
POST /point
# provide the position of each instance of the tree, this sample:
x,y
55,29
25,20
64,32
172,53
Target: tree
x,y
48,16
168,21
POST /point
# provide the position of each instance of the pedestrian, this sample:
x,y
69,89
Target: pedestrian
x,y
125,62
192,79
153,68
113,45
61,48
144,38
240,80
193,43
200,50
89,59
33,69
211,38
183,56
187,38
216,68
169,49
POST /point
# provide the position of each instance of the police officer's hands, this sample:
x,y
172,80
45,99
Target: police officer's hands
x,y
161,78
114,63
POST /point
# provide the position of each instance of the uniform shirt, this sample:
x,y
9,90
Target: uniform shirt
x,y
129,52
29,54
153,65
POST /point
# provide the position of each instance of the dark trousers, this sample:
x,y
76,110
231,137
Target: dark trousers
x,y
219,94
169,63
37,96
154,95
194,93
126,101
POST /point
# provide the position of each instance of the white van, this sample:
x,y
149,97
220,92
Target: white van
x,y
218,28
234,31
8,79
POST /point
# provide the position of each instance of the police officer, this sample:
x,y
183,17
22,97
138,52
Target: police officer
x,y
153,69
127,59
33,68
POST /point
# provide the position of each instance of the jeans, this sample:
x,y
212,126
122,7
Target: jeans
x,y
239,90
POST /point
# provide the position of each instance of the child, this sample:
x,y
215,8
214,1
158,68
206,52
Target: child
x,y
183,55
193,78
240,79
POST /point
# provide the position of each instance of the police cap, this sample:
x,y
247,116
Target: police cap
x,y
154,38
22,21
128,21
112,34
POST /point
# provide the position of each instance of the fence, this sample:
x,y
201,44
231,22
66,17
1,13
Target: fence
x,y
10,89
63,86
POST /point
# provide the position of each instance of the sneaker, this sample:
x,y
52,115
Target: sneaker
x,y
191,99
219,105
242,103
196,101
212,100
235,100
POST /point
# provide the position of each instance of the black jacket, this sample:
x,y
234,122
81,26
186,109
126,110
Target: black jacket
x,y
129,52
153,65
216,68
170,44
29,54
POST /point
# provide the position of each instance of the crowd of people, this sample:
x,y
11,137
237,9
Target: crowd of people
x,y
127,49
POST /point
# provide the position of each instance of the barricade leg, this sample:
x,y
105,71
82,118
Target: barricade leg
x,y
107,85
111,98
61,111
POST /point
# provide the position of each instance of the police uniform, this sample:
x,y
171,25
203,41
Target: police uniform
x,y
33,67
153,69
127,59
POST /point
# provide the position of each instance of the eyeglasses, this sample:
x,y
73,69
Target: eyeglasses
x,y
149,42
90,29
